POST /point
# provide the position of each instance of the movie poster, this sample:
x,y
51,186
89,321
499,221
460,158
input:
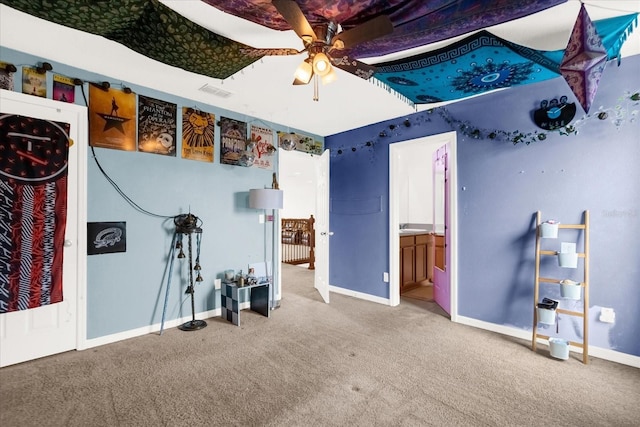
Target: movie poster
x,y
112,116
198,130
157,123
33,82
6,77
233,139
263,149
63,89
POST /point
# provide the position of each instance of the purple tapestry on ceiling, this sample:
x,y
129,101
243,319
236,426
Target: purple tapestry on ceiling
x,y
415,22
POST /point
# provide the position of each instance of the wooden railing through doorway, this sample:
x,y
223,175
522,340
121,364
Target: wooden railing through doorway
x,y
298,241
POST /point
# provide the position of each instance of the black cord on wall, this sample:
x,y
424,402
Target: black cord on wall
x,y
111,181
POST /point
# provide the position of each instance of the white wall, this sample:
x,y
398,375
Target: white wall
x,y
298,183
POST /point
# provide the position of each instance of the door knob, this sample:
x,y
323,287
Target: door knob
x,y
324,233
67,243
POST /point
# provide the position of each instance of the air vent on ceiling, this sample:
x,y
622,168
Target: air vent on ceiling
x,y
215,91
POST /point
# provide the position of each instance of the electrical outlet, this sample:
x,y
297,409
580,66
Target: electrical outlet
x,y
217,284
607,315
261,218
385,277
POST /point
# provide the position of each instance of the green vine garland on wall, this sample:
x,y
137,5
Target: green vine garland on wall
x,y
625,111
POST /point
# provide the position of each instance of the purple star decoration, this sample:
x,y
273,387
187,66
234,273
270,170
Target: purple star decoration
x,y
584,60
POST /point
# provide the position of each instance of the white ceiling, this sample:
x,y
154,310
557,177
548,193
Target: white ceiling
x,y
264,90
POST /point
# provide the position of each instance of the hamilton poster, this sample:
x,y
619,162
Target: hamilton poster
x,y
112,114
198,130
233,137
156,126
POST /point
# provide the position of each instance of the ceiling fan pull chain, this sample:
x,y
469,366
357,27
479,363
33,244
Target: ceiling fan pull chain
x,y
315,88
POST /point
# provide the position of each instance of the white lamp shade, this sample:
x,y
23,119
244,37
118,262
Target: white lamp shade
x,y
265,198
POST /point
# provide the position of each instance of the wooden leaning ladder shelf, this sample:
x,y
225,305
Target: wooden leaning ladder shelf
x,y
585,285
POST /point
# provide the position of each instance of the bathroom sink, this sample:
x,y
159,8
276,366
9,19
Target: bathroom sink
x,y
412,230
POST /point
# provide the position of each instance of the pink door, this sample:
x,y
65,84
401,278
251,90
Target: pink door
x,y
441,224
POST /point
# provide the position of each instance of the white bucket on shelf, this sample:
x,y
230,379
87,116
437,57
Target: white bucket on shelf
x,y
568,259
549,230
546,316
559,348
570,289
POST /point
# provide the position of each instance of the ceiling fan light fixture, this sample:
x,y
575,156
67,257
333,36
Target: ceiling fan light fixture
x,y
321,64
330,77
304,72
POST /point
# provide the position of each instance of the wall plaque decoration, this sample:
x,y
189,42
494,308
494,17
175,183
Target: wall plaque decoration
x,y
106,237
554,114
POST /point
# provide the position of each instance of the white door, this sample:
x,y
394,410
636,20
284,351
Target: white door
x,y
322,227
38,332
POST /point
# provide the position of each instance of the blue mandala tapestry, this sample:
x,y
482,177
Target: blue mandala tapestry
x,y
484,62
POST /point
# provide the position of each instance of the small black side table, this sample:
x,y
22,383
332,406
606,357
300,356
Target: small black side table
x,y
230,304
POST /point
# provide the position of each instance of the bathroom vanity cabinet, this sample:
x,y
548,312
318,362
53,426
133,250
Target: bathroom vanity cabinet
x,y
419,253
414,260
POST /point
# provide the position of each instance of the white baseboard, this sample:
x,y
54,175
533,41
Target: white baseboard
x,y
359,295
132,333
601,353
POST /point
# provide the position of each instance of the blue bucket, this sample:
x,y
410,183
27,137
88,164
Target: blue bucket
x,y
559,348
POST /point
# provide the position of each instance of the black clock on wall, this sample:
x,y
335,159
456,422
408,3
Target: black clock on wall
x,y
554,114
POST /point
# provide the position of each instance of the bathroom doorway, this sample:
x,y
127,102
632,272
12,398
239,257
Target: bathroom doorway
x,y
397,185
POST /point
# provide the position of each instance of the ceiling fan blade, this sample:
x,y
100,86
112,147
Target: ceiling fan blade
x,y
372,29
291,12
259,53
354,66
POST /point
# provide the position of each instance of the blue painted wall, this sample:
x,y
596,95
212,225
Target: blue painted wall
x,y
500,188
127,290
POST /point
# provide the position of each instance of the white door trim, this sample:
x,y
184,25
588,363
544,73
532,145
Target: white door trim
x,y
394,213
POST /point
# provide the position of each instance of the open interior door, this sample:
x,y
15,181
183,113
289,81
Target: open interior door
x,y
322,226
30,333
441,226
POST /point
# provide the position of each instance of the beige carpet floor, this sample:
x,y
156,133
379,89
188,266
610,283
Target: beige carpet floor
x,y
347,363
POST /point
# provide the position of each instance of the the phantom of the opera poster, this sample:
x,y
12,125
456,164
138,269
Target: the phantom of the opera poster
x,y
156,126
112,115
198,130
